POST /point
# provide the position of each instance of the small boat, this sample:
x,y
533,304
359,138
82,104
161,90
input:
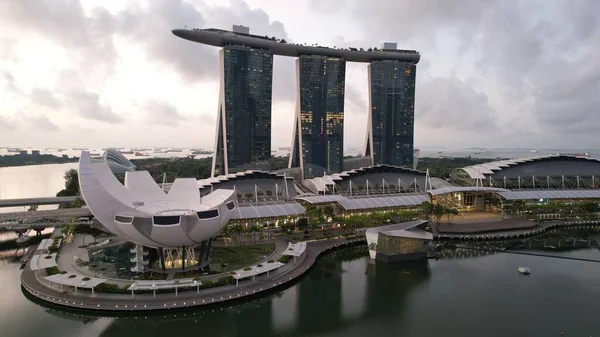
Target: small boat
x,y
140,154
524,270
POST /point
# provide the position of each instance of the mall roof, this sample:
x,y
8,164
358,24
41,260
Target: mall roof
x,y
456,189
480,171
46,243
319,184
221,38
249,211
295,249
256,270
245,175
76,281
404,229
41,262
368,202
164,284
550,194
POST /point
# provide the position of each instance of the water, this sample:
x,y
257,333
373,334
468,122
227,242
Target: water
x,y
347,295
344,295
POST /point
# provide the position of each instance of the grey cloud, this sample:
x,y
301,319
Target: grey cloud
x,y
354,96
87,105
9,80
88,39
45,98
162,113
7,123
206,119
539,53
447,103
39,123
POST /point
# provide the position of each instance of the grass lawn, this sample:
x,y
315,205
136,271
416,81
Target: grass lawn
x,y
239,257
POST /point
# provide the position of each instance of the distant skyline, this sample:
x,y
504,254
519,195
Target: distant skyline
x,y
493,74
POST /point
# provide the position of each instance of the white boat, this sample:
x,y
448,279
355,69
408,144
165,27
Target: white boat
x,y
524,270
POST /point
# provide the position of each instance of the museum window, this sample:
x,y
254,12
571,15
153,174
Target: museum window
x,y
213,213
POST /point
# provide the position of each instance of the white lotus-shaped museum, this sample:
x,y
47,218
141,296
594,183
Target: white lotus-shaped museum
x,y
143,213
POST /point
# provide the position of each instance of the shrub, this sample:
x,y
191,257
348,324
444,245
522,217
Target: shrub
x,y
63,272
247,268
86,279
111,288
259,265
48,257
72,276
225,280
284,259
52,271
53,249
270,261
207,284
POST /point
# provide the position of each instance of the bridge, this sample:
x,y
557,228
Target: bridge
x,y
41,219
36,201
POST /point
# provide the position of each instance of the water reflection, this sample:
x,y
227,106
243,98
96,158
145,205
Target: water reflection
x,y
349,294
344,288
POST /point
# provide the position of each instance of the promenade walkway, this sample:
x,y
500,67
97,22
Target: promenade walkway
x,y
121,302
70,252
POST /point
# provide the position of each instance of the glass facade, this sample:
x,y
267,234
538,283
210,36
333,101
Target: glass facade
x,y
321,115
244,111
392,92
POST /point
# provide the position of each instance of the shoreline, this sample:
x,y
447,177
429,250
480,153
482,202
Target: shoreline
x,y
31,286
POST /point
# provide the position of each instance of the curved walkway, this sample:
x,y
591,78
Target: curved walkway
x,y
517,233
122,302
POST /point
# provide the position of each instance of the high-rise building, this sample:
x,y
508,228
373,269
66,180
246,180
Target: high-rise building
x,y
243,137
390,125
318,139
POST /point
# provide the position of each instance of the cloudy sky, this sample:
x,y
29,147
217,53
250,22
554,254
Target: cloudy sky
x,y
497,73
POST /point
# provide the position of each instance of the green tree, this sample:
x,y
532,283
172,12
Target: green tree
x,y
287,227
71,184
427,209
450,212
302,224
438,212
328,211
590,207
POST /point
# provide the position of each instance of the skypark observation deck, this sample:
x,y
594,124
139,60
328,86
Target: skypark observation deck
x,y
221,38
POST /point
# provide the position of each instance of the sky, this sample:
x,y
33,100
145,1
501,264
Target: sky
x,y
493,73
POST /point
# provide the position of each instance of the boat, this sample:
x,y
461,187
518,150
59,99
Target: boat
x,y
140,154
533,151
196,152
524,270
125,152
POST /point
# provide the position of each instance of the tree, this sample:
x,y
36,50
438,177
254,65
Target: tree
x,y
438,212
590,207
302,224
71,184
427,209
450,212
287,227
328,211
